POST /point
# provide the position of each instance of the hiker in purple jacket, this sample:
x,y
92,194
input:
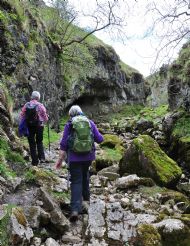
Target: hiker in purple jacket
x,y
79,164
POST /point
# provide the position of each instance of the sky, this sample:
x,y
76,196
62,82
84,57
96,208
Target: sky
x,y
140,47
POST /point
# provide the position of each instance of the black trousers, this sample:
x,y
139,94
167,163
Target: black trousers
x,y
79,184
35,140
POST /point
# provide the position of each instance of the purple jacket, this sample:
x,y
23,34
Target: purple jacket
x,y
76,157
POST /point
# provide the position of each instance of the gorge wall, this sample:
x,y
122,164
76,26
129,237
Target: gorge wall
x,y
171,84
30,60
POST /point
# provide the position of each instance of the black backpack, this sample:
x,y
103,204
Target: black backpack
x,y
31,115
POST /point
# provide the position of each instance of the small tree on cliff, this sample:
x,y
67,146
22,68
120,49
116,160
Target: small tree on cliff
x,y
102,15
170,25
69,31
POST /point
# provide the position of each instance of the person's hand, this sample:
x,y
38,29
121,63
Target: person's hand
x,y
58,164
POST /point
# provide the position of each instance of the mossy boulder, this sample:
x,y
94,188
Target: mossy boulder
x,y
184,150
173,195
180,139
41,177
174,232
145,158
4,221
111,141
148,236
111,152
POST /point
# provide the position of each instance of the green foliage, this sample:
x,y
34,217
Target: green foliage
x,y
111,141
4,222
61,196
30,176
125,111
3,17
77,62
110,154
153,114
42,176
151,191
5,171
63,121
19,8
182,127
6,154
148,235
15,157
54,136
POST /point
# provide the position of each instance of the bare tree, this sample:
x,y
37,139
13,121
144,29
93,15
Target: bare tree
x,y
102,15
171,26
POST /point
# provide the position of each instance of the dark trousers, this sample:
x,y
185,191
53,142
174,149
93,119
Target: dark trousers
x,y
79,184
35,140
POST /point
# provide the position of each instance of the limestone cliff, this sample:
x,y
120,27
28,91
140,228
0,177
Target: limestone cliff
x,y
170,85
30,60
158,83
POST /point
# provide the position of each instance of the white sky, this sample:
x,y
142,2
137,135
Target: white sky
x,y
137,51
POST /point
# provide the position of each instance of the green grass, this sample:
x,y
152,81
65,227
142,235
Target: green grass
x,y
137,112
110,154
61,195
182,127
40,175
7,155
153,114
63,121
4,233
5,171
54,136
30,176
125,111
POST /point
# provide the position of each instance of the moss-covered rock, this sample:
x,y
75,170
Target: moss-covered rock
x,y
174,232
147,235
111,141
4,220
145,158
110,153
180,140
40,176
174,195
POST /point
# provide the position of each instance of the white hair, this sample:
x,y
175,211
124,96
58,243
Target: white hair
x,y
75,110
35,95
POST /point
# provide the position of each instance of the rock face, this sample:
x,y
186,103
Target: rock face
x,y
170,85
30,60
5,116
179,87
145,158
158,83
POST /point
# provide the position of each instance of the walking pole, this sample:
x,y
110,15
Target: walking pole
x,y
68,176
48,135
43,101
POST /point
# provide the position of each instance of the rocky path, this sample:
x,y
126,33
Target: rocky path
x,y
125,211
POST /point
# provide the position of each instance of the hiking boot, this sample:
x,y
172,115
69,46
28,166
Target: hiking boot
x,y
42,161
74,216
85,206
35,163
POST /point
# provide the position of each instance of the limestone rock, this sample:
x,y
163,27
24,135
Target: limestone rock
x,y
133,181
96,223
59,221
36,216
20,232
145,158
51,242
